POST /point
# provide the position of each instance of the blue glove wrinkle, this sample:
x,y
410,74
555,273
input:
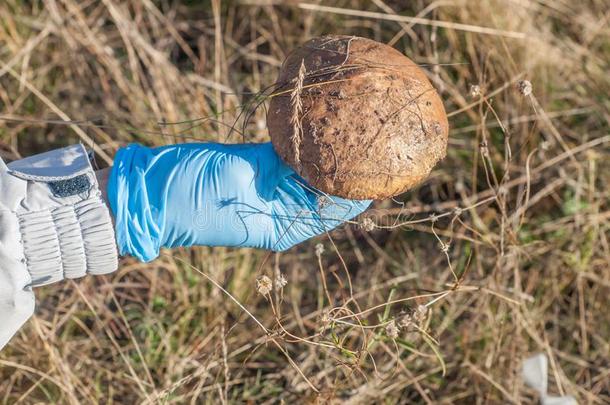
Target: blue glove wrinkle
x,y
215,195
127,177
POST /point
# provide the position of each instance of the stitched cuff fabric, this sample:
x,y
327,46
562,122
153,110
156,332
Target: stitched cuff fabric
x,y
64,225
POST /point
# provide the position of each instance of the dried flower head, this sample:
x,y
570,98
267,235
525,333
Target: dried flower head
x,y
319,249
420,313
280,282
264,285
325,317
524,87
475,90
459,186
391,330
325,320
405,322
367,224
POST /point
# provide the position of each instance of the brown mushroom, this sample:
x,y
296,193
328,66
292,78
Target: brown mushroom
x,y
357,118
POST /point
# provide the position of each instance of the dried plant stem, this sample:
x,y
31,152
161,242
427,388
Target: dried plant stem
x,y
267,331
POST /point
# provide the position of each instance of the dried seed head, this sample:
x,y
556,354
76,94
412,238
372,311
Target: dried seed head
x,y
264,285
391,330
280,282
325,320
406,322
524,87
325,317
475,90
420,313
319,249
367,224
459,186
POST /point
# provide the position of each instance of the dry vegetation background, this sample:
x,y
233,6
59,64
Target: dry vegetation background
x,y
501,254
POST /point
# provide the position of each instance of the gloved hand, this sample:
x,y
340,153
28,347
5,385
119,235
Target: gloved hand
x,y
215,195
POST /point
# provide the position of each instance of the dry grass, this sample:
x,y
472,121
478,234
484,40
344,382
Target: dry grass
x,y
437,297
297,111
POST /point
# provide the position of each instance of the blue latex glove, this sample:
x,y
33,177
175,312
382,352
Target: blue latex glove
x,y
215,195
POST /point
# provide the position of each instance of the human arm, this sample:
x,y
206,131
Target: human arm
x,y
215,195
56,221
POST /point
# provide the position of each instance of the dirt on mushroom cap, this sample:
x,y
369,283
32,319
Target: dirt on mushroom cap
x,y
366,122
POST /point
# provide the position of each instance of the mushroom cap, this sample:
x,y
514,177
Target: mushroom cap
x,y
366,123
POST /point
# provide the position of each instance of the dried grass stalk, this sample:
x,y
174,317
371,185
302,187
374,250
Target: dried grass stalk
x,y
297,111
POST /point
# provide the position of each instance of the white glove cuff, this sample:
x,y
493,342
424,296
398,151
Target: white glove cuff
x,y
64,225
53,225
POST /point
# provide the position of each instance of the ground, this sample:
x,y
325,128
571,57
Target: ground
x,y
437,296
